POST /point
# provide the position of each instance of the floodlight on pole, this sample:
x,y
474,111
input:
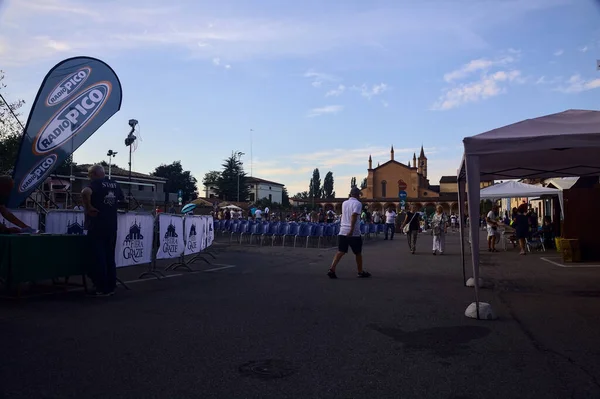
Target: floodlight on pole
x,y
110,154
239,159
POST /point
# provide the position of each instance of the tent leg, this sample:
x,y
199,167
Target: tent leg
x,y
477,310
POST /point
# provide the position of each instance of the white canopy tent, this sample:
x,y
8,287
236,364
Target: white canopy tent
x,y
515,189
558,145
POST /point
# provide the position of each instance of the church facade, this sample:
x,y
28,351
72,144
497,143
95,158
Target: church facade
x,y
385,181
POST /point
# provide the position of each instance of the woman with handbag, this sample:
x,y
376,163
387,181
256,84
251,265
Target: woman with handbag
x,y
411,226
439,227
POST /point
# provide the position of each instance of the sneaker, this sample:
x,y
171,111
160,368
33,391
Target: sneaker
x,y
434,253
331,274
364,274
98,294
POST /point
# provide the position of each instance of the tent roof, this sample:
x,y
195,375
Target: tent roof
x,y
515,189
563,183
557,145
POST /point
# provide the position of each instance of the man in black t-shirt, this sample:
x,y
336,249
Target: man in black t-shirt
x,y
101,201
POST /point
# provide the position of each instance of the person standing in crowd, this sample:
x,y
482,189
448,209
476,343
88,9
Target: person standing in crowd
x,y
453,222
258,213
492,227
172,208
349,235
6,185
330,216
413,220
376,217
521,227
267,213
390,222
101,200
439,227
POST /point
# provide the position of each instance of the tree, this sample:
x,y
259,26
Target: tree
x,y
328,186
228,183
302,195
11,131
363,184
65,168
178,179
211,178
285,198
353,182
315,184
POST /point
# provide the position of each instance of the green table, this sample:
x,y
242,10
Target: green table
x,y
37,257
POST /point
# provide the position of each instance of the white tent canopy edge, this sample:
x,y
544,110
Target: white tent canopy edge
x,y
515,189
557,145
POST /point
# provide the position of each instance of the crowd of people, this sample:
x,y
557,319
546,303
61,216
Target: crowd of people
x,y
521,226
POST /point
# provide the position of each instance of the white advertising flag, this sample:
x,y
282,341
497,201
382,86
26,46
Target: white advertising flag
x,y
135,232
28,216
193,239
65,222
170,244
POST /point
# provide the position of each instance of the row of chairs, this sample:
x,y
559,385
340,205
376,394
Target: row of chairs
x,y
259,232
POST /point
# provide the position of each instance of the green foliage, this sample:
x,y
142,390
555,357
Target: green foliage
x,y
65,168
327,190
363,184
314,189
302,195
285,198
228,183
178,179
11,131
353,182
211,178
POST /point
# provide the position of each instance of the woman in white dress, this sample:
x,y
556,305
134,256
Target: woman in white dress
x,y
439,227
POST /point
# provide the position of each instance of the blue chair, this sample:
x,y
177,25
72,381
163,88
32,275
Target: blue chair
x,y
291,232
270,230
216,225
372,230
380,228
304,232
336,229
238,228
318,231
282,230
234,229
329,233
247,230
257,230
364,229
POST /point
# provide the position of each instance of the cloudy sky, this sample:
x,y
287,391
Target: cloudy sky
x,y
321,83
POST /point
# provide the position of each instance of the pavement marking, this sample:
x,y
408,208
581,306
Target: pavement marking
x,y
222,264
567,266
219,268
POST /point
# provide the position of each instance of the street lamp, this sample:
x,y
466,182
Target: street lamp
x,y
239,159
110,154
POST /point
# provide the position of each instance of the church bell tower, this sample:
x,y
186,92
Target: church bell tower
x,y
422,163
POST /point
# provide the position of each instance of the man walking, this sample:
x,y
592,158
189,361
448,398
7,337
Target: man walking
x,y
350,234
100,200
390,222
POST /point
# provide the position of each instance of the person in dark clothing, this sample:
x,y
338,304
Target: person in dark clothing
x,y
413,219
101,201
521,226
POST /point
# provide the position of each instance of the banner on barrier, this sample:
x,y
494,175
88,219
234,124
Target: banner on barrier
x,y
171,244
28,216
135,232
193,234
65,222
210,236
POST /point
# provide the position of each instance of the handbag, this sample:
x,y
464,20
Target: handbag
x,y
406,228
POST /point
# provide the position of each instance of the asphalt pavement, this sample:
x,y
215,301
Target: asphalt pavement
x,y
267,323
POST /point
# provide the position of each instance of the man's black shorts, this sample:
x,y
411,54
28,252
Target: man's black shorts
x,y
355,243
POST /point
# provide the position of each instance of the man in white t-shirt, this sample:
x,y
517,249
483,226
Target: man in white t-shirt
x,y
258,214
350,234
492,228
267,210
390,222
453,222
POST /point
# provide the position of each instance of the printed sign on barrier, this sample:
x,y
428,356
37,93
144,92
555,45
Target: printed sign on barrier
x,y
210,233
193,234
135,232
65,222
170,244
28,216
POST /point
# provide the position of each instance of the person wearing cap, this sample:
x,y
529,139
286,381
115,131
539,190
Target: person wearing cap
x,y
349,236
6,185
101,199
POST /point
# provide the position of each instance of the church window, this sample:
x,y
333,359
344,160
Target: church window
x,y
383,188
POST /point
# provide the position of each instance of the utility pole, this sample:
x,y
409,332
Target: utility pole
x,y
239,160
